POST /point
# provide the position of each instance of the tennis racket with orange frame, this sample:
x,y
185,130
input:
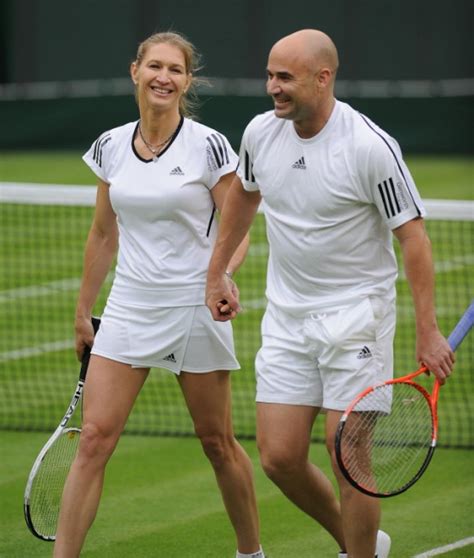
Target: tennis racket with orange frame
x,y
387,436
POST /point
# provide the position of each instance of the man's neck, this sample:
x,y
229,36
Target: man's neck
x,y
309,127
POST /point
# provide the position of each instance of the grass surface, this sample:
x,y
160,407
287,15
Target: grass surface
x,y
160,499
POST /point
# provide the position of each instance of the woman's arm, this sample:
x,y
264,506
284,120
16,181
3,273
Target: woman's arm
x,y
99,253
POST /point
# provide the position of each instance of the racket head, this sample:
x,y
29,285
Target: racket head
x,y
45,485
386,438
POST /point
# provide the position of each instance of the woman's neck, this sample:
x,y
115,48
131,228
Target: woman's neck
x,y
158,126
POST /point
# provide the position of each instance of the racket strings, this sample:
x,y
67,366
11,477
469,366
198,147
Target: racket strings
x,y
48,485
387,437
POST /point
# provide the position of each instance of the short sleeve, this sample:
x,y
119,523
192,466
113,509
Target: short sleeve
x,y
245,169
389,184
98,156
221,158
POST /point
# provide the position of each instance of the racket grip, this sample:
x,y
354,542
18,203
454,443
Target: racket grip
x,y
462,328
87,351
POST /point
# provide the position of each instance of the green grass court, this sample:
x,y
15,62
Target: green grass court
x,y
160,496
160,500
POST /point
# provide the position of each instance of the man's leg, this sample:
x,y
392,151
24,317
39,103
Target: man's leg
x,y
208,397
110,391
360,513
283,436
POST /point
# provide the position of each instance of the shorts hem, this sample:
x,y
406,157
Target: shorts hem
x,y
336,405
285,400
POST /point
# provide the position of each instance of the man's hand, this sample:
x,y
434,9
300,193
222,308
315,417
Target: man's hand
x,y
434,352
222,298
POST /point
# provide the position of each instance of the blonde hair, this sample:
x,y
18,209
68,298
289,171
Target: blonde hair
x,y
188,103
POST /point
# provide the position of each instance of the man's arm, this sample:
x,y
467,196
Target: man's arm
x,y
237,215
431,347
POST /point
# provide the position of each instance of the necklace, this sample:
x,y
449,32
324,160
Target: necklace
x,y
154,149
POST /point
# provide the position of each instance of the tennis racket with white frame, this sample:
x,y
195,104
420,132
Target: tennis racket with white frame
x,y
46,480
387,435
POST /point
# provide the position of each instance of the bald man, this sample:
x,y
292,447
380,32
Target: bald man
x,y
335,188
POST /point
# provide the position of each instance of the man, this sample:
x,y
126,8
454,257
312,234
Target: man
x,y
335,188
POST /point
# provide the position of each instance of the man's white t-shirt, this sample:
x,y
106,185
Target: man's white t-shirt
x,y
330,203
165,211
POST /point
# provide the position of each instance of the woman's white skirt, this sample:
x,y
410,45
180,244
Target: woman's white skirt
x,y
184,338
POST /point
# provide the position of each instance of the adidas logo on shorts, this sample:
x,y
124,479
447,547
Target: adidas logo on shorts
x,y
364,352
300,164
170,358
177,171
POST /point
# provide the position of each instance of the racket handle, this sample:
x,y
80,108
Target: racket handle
x,y
462,328
87,351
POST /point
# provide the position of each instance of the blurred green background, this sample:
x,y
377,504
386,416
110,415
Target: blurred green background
x,y
64,65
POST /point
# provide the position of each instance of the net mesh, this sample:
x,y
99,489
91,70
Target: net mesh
x,y
43,232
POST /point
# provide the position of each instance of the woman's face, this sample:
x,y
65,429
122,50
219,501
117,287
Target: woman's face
x,y
161,77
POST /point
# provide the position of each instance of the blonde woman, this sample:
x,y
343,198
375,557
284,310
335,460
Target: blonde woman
x,y
160,180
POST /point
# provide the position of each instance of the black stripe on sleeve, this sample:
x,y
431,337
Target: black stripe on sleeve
x,y
96,144
379,186
98,147
96,150
221,141
396,160
106,140
218,160
389,199
249,176
394,195
215,139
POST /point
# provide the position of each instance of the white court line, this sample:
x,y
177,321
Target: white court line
x,y
445,549
61,285
36,351
458,262
248,305
445,266
40,290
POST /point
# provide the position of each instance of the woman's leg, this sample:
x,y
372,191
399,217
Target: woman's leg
x,y
109,394
208,397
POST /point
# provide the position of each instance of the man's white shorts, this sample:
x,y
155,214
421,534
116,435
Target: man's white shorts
x,y
324,359
185,338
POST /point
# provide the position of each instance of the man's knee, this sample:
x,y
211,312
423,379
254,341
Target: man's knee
x,y
279,462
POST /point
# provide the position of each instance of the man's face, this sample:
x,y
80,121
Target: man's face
x,y
292,84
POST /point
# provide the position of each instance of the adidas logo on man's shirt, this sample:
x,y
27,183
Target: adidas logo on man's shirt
x,y
177,171
170,358
365,352
300,164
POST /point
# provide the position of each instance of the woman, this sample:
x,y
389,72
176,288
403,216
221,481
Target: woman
x,y
160,180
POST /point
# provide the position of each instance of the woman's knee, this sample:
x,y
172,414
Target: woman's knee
x,y
96,443
218,447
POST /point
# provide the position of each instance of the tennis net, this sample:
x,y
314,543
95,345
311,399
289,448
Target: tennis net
x,y
43,232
